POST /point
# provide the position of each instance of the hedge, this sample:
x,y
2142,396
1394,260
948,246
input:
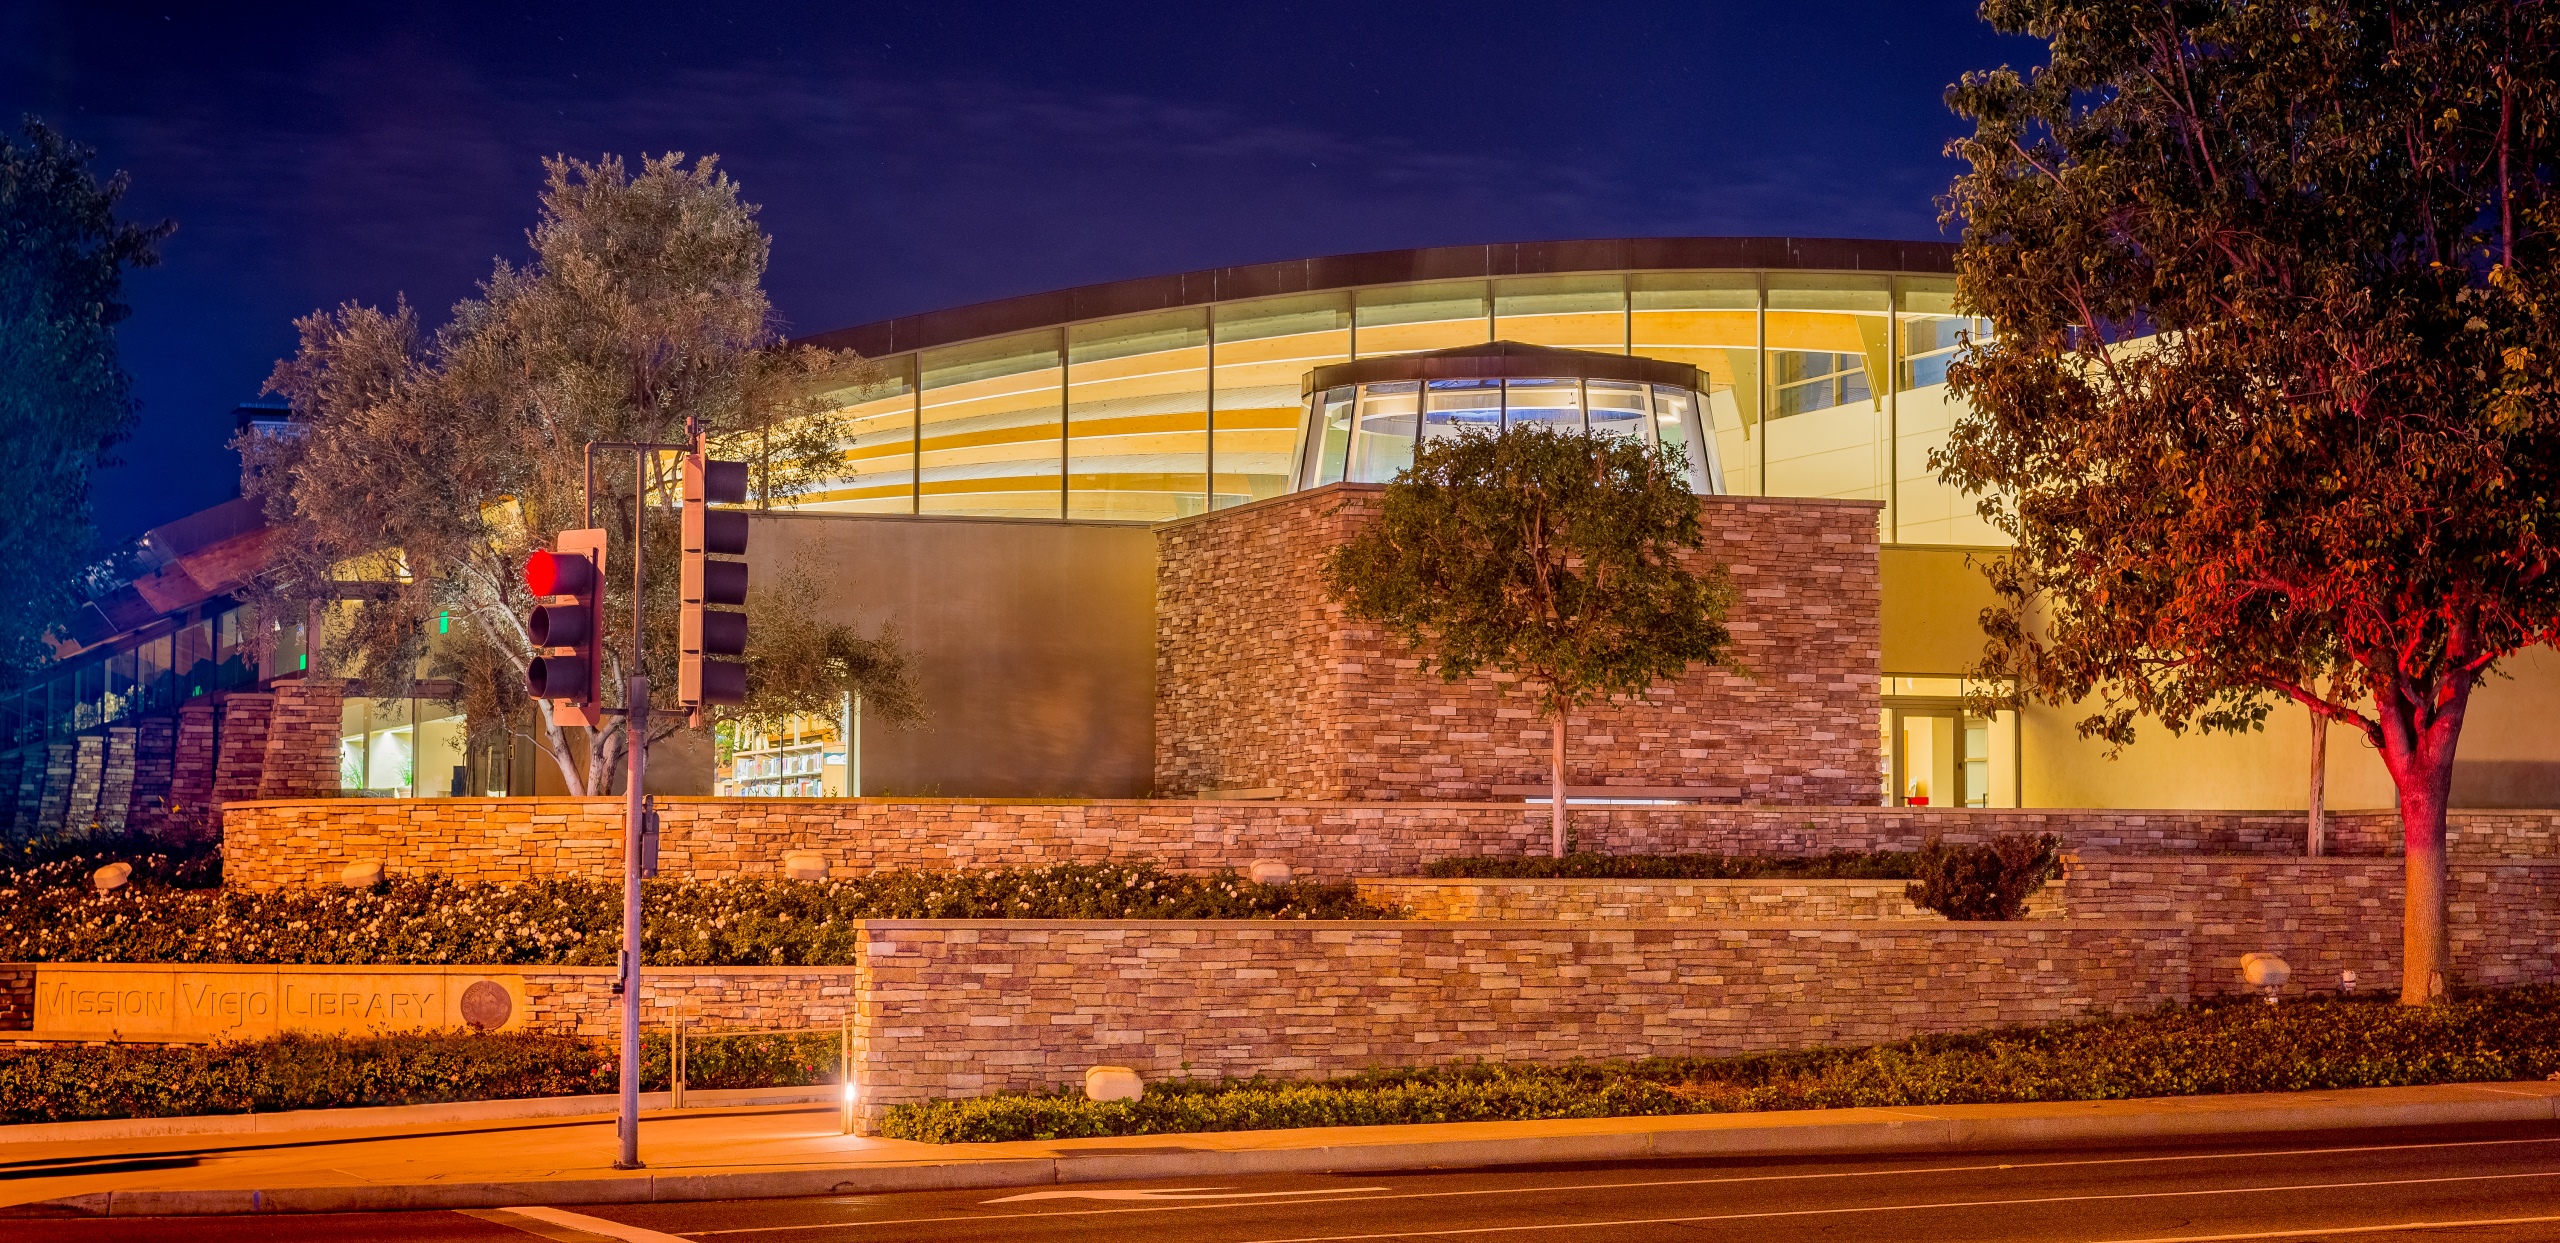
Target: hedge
x,y
50,913
70,1083
1584,865
2204,1049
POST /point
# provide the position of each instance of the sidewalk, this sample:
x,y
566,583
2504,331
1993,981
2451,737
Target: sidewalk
x,y
793,1150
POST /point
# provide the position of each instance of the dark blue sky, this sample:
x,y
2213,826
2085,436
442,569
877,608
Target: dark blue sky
x,y
914,156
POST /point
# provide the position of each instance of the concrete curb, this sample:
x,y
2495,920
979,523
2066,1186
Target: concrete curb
x,y
380,1116
1449,1145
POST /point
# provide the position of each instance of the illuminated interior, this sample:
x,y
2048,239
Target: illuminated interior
x,y
1160,415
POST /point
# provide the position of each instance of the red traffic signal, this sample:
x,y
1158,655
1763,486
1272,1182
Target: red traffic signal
x,y
564,627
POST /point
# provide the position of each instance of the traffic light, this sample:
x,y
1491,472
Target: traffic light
x,y
568,581
704,633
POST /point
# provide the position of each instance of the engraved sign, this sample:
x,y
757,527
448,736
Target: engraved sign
x,y
245,1001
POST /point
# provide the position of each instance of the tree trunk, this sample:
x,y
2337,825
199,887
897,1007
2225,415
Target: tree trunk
x,y
2316,840
1555,787
2419,752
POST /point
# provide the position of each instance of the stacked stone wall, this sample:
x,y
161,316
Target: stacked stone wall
x,y
154,754
2330,915
268,844
1260,682
115,789
301,753
1552,900
242,749
191,774
88,778
954,1008
53,808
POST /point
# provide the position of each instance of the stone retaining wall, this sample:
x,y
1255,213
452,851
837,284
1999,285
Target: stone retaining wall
x,y
961,1008
1504,899
2329,915
269,844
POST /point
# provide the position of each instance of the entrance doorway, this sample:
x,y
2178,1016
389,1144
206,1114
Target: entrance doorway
x,y
1939,754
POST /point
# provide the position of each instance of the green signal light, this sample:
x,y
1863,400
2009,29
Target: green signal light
x,y
444,622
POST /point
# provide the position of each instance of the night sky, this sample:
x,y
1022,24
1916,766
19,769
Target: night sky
x,y
916,156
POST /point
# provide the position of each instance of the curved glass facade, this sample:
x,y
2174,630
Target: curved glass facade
x,y
1365,433
1826,384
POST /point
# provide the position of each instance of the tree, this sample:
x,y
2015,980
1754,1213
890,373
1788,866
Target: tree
x,y
64,399
418,472
2269,411
1551,555
804,663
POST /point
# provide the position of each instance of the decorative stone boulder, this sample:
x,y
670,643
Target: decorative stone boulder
x,y
2266,972
804,864
361,874
1268,872
1112,1083
112,877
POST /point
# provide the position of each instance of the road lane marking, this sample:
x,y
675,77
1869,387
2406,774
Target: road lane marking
x,y
1901,1208
594,1225
1176,1193
2295,1234
1675,1182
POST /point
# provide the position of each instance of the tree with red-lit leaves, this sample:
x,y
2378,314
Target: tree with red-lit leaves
x,y
2270,408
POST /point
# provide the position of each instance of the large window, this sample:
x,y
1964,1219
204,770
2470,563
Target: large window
x,y
1816,384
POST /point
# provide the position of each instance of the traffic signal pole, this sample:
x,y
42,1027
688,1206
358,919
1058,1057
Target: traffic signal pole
x,y
724,634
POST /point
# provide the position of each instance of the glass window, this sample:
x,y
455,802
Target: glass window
x,y
992,428
1618,408
1451,406
879,449
1407,319
1330,447
1383,441
1927,511
1568,312
194,661
1676,422
1827,341
1264,350
1545,402
1138,417
151,673
1711,321
122,701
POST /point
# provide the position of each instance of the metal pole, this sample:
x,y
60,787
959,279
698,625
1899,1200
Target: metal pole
x,y
635,739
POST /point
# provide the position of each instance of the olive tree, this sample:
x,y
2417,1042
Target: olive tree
x,y
1551,555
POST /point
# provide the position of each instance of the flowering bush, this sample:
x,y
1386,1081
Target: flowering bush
x,y
50,913
69,1083
2206,1049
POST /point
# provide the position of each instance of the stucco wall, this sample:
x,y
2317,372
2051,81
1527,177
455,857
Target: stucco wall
x,y
1033,646
268,844
1262,683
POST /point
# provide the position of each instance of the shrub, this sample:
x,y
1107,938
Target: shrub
x,y
1838,865
2211,1048
51,914
1991,880
70,1083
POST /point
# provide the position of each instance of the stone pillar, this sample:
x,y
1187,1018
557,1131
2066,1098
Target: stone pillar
x,y
155,742
55,804
29,820
240,752
190,805
302,739
88,772
115,788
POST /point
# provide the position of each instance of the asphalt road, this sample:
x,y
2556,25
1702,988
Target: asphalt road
x,y
2474,1185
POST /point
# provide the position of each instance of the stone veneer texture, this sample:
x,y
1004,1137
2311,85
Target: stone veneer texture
x,y
269,844
1260,682
956,1008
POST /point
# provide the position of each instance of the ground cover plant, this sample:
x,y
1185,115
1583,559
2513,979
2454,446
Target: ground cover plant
x,y
1585,865
49,912
2205,1049
71,1083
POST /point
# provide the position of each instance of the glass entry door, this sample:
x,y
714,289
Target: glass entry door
x,y
1938,755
